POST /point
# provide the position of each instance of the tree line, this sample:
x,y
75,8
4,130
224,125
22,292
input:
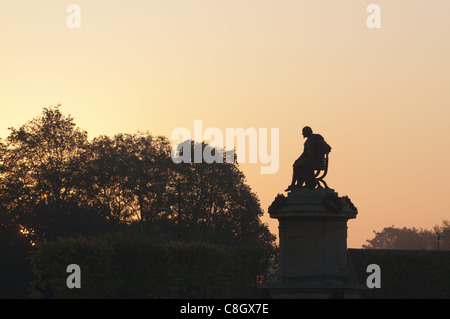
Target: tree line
x,y
411,238
56,183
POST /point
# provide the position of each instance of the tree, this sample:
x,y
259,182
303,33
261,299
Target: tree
x,y
218,205
47,152
405,238
121,174
41,175
57,183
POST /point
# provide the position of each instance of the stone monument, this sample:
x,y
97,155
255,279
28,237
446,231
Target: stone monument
x,y
313,245
312,233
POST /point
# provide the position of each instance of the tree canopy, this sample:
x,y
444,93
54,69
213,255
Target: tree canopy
x,y
57,184
410,238
54,182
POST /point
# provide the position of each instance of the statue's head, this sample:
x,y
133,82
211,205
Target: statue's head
x,y
307,131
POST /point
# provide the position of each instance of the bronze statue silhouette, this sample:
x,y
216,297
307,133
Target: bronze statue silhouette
x,y
314,157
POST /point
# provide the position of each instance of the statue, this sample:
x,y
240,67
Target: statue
x,y
312,232
315,148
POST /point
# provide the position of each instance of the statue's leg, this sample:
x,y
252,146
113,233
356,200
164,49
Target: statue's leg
x,y
294,179
310,180
300,175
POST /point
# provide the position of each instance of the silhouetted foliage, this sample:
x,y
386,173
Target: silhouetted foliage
x,y
405,274
15,269
132,265
41,170
52,176
121,173
217,205
54,183
409,238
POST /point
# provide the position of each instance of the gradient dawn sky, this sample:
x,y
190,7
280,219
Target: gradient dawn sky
x,y
380,96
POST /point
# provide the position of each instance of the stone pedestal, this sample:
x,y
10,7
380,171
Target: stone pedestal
x,y
313,245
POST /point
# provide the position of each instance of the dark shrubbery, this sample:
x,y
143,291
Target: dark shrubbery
x,y
55,183
135,266
405,274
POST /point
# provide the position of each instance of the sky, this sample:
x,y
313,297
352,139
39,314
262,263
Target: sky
x,y
379,96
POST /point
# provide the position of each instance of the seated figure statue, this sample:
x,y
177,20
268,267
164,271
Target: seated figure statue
x,y
314,150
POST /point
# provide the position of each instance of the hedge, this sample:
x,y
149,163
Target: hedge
x,y
406,274
134,266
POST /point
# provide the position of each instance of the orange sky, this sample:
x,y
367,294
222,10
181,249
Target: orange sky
x,y
380,97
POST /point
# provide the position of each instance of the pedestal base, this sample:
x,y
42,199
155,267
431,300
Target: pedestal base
x,y
313,245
